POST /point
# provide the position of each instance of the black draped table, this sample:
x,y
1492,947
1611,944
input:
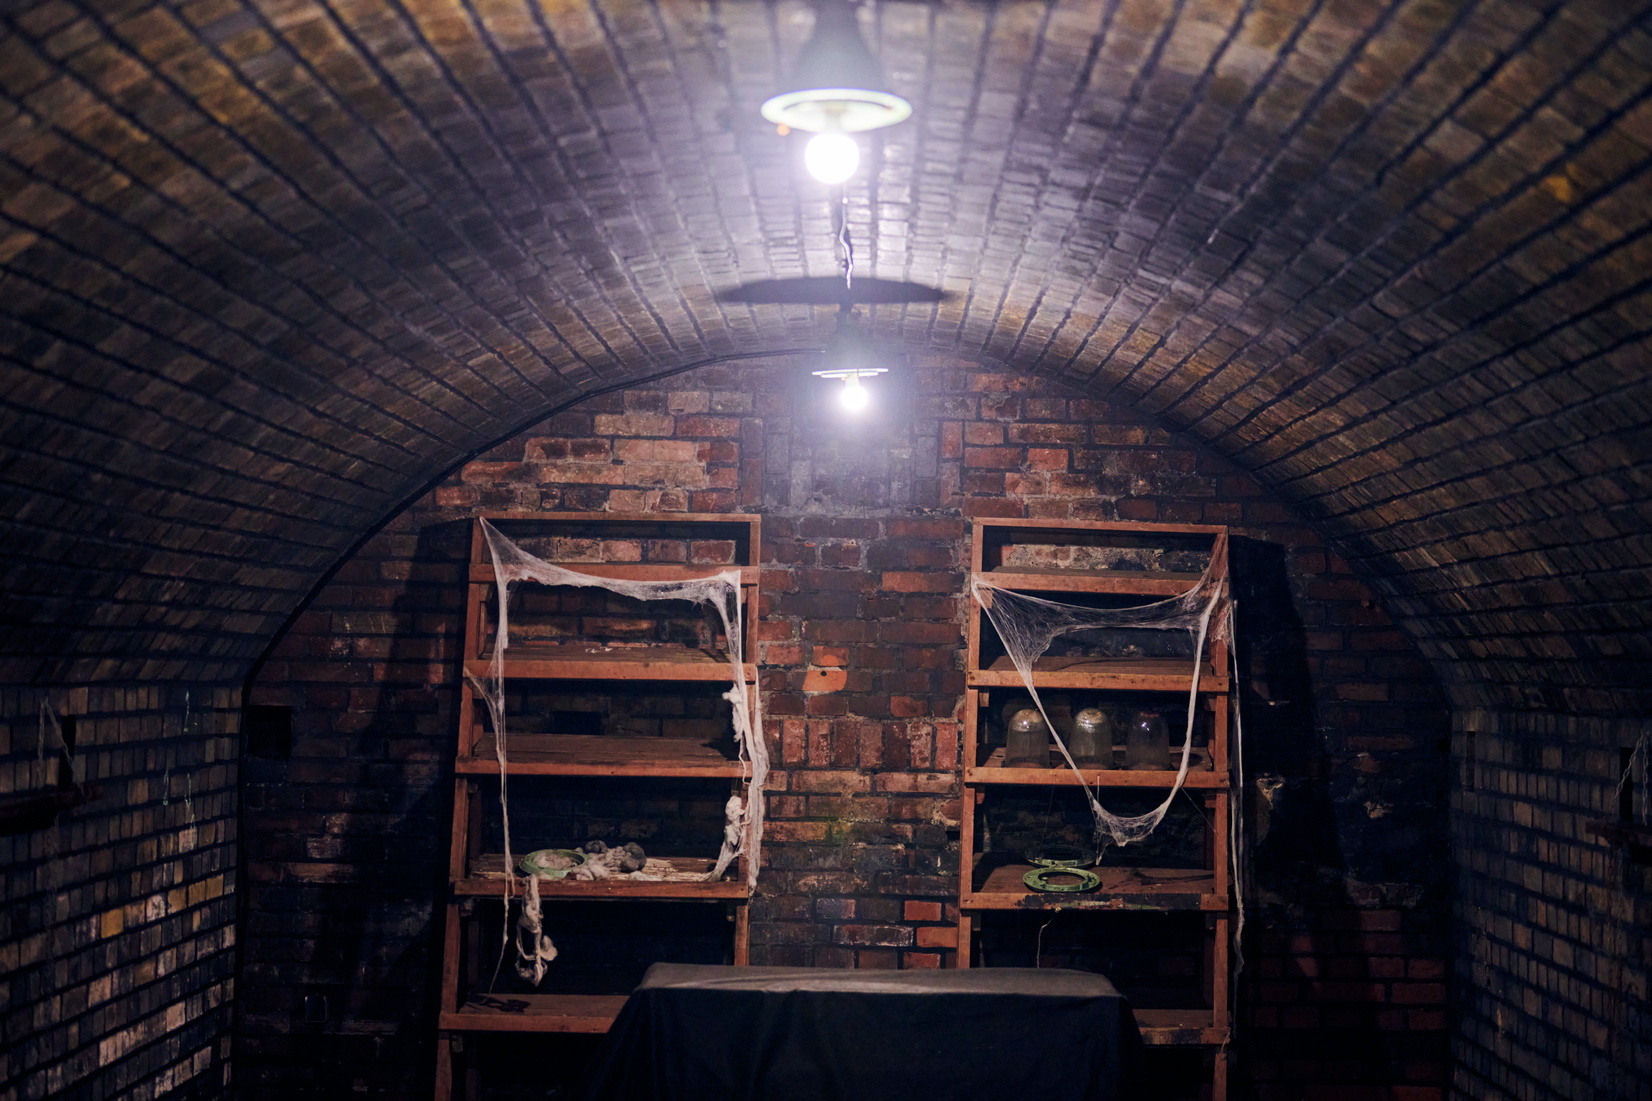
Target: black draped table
x,y
814,1034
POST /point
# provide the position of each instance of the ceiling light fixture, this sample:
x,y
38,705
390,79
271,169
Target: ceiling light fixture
x,y
836,89
851,357
854,396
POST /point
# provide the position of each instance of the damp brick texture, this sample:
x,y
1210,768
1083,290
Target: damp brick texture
x,y
268,269
1552,903
117,929
865,547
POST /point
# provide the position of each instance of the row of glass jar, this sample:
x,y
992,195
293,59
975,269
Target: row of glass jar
x,y
1091,735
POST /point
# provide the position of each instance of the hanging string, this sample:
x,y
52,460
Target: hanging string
x,y
845,244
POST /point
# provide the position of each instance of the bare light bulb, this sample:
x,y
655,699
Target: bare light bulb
x,y
831,158
854,396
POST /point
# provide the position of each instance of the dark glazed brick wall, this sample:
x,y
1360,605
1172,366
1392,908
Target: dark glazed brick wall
x,y
865,544
1553,925
117,930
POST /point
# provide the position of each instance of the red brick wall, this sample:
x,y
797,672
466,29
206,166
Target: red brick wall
x,y
865,548
117,935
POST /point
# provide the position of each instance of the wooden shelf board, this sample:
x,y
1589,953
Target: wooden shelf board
x,y
536,1013
1122,527
1155,889
656,520
583,661
1176,1027
596,1013
482,573
488,874
1055,579
1123,674
1199,774
602,755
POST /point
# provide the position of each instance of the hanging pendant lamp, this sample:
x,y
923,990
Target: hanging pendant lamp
x,y
851,357
837,86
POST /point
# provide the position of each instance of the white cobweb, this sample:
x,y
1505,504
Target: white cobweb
x,y
1028,625
743,830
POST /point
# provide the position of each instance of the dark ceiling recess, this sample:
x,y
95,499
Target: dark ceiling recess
x,y
267,271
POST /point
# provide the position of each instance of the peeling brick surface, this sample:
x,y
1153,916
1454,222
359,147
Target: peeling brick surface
x,y
117,929
865,544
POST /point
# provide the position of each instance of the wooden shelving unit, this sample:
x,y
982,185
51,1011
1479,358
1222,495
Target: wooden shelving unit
x,y
477,876
1079,562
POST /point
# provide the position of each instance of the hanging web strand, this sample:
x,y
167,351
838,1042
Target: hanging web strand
x,y
1236,825
1028,625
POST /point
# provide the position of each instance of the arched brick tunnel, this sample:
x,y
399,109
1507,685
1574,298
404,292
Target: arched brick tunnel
x,y
272,273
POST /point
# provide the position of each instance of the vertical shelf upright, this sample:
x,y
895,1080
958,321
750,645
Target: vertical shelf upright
x,y
638,547
1106,564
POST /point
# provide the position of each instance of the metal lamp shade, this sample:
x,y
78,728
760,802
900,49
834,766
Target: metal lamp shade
x,y
837,84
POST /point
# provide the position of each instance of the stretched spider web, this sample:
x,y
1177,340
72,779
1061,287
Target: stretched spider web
x,y
1029,625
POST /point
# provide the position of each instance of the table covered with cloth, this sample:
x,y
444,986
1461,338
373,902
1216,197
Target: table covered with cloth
x,y
813,1034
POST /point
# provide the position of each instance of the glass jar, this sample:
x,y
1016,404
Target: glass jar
x,y
1147,743
1013,706
1092,740
1028,742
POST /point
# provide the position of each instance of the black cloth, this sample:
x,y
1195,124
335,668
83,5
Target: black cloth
x,y
810,1034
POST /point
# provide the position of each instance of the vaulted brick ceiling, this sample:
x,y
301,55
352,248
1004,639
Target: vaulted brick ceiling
x,y
270,267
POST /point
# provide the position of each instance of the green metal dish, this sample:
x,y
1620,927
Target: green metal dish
x,y
534,863
1039,880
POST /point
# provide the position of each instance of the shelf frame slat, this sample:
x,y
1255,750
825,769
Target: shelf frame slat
x,y
542,1013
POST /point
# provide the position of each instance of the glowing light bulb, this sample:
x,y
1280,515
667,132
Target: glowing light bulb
x,y
831,158
854,396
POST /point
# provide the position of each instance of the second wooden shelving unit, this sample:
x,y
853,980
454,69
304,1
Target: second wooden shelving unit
x,y
1106,564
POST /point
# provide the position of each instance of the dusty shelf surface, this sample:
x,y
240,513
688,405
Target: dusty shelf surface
x,y
1199,773
678,877
998,885
1085,671
535,1013
604,755
1057,579
1170,1027
590,661
633,571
